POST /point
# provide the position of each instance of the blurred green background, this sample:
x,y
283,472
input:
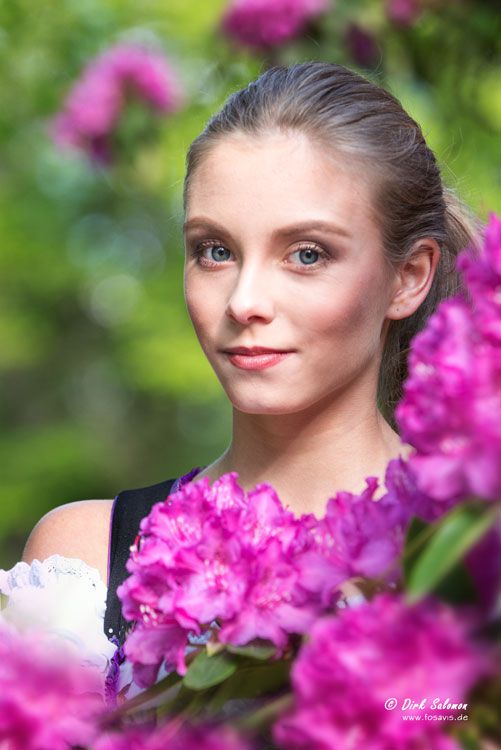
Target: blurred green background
x,y
104,385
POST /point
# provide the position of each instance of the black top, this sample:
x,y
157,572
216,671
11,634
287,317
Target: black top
x,y
129,508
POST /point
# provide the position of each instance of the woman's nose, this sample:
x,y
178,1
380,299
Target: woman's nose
x,y
251,297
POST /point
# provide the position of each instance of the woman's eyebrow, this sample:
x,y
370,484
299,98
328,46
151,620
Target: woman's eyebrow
x,y
200,222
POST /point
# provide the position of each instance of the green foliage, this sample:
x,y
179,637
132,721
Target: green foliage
x,y
104,385
213,681
207,671
434,553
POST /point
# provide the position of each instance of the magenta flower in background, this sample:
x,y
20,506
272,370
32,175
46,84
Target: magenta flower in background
x,y
452,397
362,45
94,105
47,698
380,651
263,24
171,737
403,12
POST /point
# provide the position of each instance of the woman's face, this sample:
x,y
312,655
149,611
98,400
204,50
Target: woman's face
x,y
289,257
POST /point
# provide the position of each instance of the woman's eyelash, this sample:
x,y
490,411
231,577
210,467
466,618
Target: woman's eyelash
x,y
198,250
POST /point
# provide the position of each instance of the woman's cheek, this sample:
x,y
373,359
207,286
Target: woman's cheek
x,y
193,295
205,314
346,322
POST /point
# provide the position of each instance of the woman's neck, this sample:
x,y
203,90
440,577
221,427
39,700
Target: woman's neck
x,y
310,455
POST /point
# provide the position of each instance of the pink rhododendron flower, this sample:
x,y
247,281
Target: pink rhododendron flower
x,y
402,485
47,698
94,105
482,274
404,12
263,24
452,397
483,561
216,560
358,537
381,651
171,737
212,554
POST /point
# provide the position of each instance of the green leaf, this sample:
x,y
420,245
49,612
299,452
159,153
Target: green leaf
x,y
415,534
148,697
468,742
179,704
253,681
206,671
265,715
457,586
453,536
262,653
188,703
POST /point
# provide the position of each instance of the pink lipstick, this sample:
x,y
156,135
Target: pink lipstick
x,y
255,357
257,361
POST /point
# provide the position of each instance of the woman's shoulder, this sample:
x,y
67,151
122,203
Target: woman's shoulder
x,y
78,529
81,529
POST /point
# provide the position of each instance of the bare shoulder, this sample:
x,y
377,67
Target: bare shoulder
x,y
78,529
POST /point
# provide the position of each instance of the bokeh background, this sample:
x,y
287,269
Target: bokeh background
x,y
103,384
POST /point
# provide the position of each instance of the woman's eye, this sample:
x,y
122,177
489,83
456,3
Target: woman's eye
x,y
308,255
212,253
217,253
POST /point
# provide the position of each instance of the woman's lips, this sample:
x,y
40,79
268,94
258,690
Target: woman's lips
x,y
256,361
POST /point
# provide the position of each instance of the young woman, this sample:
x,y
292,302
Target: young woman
x,y
319,238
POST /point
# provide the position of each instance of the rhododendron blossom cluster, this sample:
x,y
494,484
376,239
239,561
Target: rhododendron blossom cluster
x,y
217,555
482,275
214,552
358,670
262,24
47,698
358,536
95,103
404,12
452,397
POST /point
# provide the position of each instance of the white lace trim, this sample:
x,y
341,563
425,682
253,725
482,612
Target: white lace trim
x,y
62,596
42,573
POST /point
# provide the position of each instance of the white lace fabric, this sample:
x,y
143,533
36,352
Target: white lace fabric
x,y
62,597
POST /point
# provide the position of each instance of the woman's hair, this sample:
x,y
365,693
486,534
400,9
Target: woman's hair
x,y
342,111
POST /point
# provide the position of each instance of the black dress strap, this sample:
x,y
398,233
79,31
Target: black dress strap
x,y
129,508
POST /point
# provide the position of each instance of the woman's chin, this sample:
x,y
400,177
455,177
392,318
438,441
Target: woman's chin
x,y
265,403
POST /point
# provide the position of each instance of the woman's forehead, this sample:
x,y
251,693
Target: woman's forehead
x,y
278,178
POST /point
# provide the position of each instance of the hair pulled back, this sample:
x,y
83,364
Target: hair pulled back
x,y
342,111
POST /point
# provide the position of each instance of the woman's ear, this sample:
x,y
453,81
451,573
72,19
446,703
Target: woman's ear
x,y
414,278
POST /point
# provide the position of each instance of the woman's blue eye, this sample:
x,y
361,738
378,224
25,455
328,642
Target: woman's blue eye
x,y
308,252
309,255
199,253
220,250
